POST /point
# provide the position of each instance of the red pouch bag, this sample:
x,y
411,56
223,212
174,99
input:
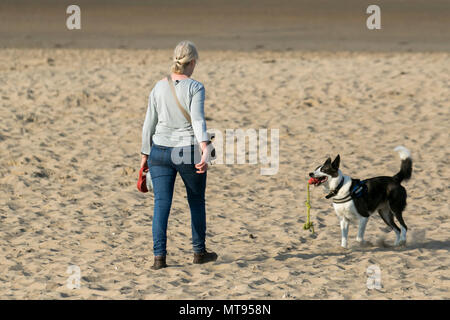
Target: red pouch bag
x,y
142,183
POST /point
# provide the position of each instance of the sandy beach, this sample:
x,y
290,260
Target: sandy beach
x,y
70,136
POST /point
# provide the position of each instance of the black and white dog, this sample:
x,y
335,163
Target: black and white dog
x,y
357,200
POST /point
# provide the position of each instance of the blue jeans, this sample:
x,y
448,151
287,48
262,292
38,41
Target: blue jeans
x,y
163,169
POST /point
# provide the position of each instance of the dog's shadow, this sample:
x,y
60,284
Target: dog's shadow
x,y
306,256
413,245
384,247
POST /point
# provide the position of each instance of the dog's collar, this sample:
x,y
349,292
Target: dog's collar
x,y
335,191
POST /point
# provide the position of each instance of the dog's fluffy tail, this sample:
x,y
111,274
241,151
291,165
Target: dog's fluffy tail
x,y
406,165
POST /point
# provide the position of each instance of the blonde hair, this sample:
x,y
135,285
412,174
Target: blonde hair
x,y
183,54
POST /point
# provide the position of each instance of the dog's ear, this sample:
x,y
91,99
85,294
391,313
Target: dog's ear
x,y
336,162
328,162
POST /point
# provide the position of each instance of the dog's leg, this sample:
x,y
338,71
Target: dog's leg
x,y
397,203
388,217
344,232
402,235
361,229
397,239
401,239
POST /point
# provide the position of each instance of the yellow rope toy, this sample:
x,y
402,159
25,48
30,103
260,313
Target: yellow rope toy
x,y
308,225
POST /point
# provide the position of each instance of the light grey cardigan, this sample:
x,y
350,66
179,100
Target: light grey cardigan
x,y
165,124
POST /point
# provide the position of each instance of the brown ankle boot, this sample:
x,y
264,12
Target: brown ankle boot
x,y
204,257
159,263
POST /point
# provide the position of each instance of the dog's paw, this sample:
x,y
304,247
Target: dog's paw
x,y
343,249
364,243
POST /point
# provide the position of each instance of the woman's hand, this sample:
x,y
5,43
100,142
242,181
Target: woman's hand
x,y
202,166
144,159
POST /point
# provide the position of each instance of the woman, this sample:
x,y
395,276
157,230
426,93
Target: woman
x,y
170,145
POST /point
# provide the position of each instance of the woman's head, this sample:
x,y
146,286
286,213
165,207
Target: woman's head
x,y
185,56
